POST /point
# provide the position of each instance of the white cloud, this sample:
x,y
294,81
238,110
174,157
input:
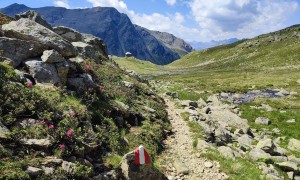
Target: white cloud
x,y
171,2
119,5
62,3
223,19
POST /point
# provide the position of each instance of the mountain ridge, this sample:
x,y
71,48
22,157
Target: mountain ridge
x,y
115,28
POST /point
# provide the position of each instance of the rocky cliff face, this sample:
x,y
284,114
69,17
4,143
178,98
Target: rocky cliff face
x,y
66,109
115,28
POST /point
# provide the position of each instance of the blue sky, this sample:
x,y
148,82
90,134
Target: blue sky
x,y
195,20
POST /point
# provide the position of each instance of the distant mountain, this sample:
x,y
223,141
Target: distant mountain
x,y
205,45
116,30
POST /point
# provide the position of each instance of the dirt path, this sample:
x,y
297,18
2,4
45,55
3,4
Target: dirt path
x,y
179,155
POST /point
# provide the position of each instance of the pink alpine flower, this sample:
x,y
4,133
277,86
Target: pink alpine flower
x,y
88,67
73,113
51,126
70,133
62,146
29,84
43,122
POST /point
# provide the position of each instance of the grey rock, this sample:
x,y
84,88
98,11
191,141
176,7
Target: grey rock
x,y
227,152
16,50
52,56
280,151
68,166
87,50
294,159
43,72
287,166
202,145
42,143
173,94
245,140
193,104
128,84
257,154
181,168
48,170
4,132
33,171
129,170
34,16
290,175
291,121
266,145
282,93
149,109
279,159
53,162
208,164
201,103
222,135
68,33
62,71
26,29
272,177
270,170
76,84
27,122
262,120
294,144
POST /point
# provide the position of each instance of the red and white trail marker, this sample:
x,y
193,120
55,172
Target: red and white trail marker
x,y
141,156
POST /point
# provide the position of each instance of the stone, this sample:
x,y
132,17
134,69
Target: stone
x,y
68,33
208,164
258,154
42,143
262,120
76,83
43,72
287,166
294,159
291,121
227,152
51,161
149,109
69,167
230,119
24,123
279,159
14,51
29,30
280,151
4,131
270,170
282,93
34,16
62,71
173,94
201,103
202,145
48,170
128,169
122,105
245,140
266,145
33,171
290,174
185,103
96,42
267,107
222,136
294,145
193,104
181,168
52,56
128,84
271,177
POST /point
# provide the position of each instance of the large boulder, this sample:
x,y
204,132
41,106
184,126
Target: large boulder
x,y
266,145
68,33
17,50
129,170
34,16
40,143
27,29
43,72
52,56
258,154
96,42
227,117
294,145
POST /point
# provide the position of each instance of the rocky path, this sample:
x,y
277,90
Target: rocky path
x,y
179,160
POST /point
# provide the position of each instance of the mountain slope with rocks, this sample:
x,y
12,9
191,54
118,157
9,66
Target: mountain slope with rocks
x,y
115,28
67,111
